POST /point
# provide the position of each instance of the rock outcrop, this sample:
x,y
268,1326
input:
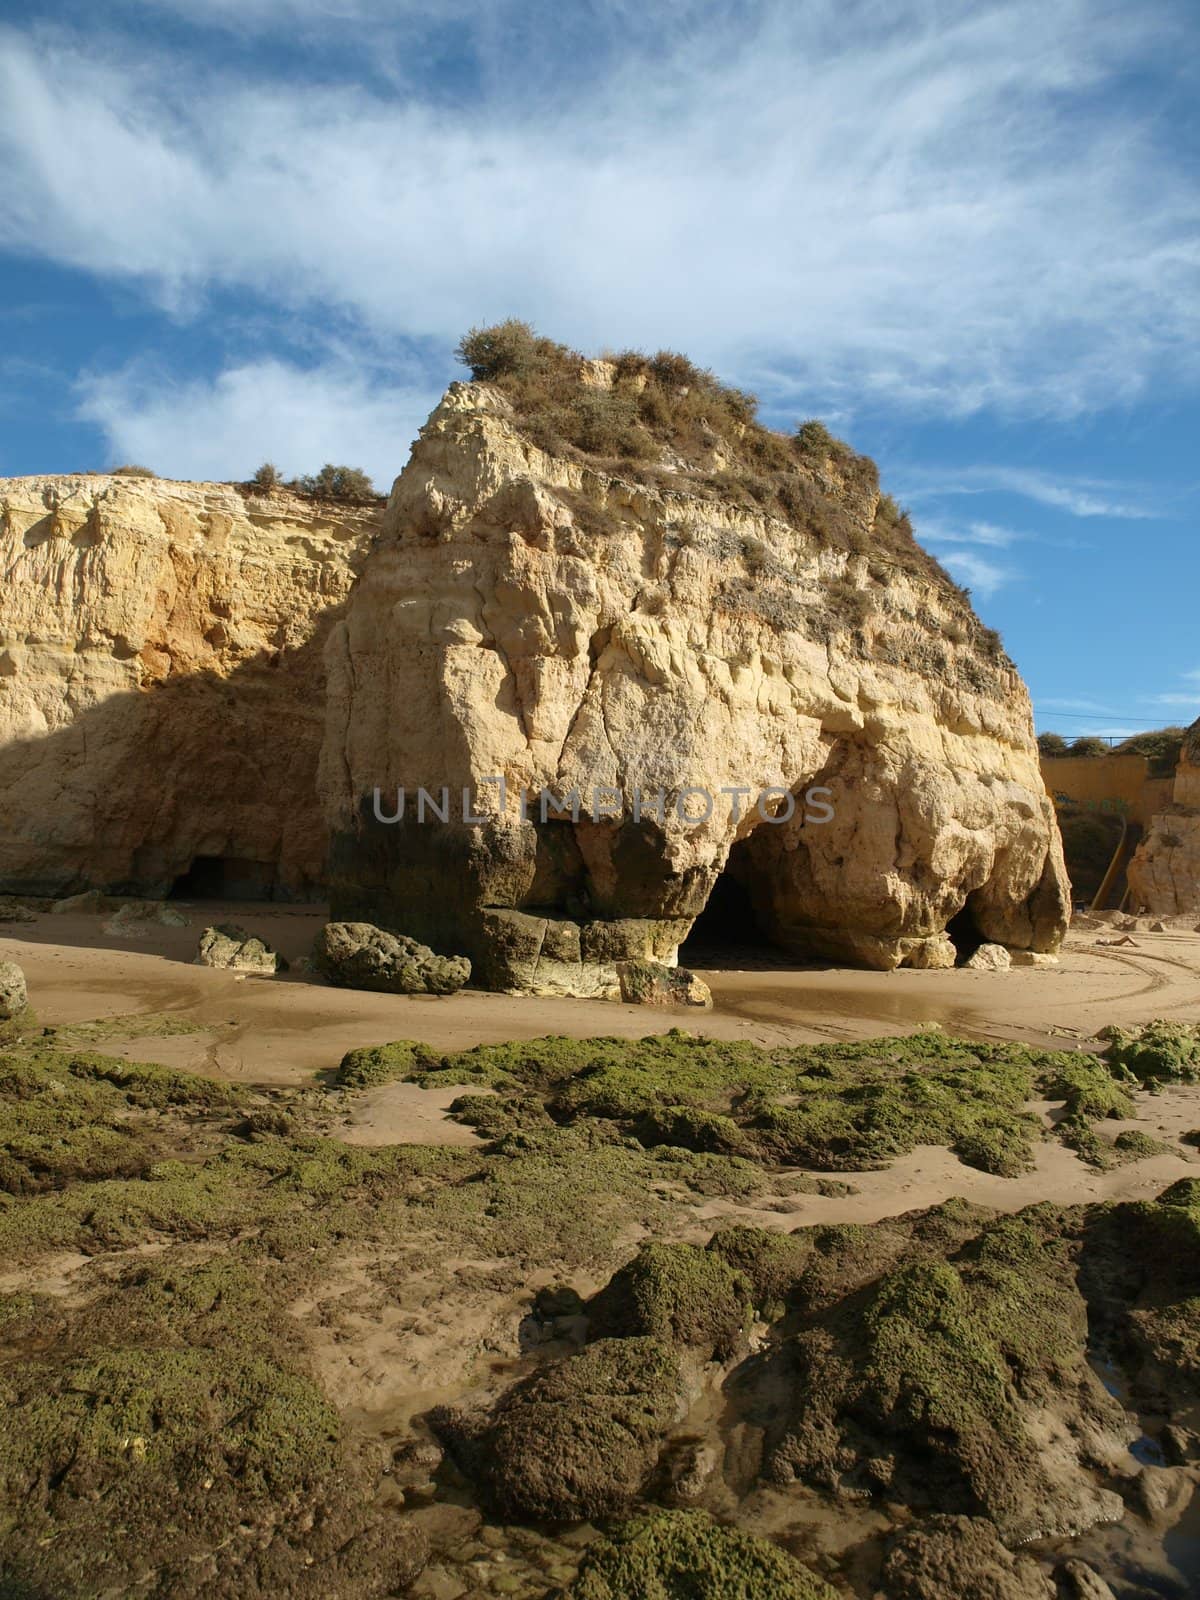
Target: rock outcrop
x,y
355,955
13,995
859,751
232,949
161,683
1164,875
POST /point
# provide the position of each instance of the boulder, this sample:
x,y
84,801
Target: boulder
x,y
357,955
13,995
940,1556
685,1555
136,918
650,983
1079,1581
1032,958
233,949
15,911
576,1441
90,903
989,958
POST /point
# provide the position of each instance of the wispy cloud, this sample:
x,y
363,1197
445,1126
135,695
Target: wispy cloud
x,y
1080,496
981,576
942,205
225,427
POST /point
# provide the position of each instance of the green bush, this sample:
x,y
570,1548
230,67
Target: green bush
x,y
129,470
1052,744
337,483
1089,746
268,476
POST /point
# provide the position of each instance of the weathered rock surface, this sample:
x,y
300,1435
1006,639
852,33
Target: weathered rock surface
x,y
233,949
1164,874
576,1440
651,983
355,955
942,1556
136,918
989,958
533,617
13,996
161,683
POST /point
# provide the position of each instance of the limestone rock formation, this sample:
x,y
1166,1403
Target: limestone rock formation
x,y
650,983
355,955
234,950
1164,875
564,623
13,996
161,683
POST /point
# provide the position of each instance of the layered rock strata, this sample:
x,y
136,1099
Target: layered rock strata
x,y
527,616
161,684
1164,874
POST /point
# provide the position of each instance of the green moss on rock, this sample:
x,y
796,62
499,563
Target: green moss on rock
x,y
1157,1053
576,1441
679,1293
685,1555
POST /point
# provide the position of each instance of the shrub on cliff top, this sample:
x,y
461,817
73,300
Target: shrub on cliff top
x,y
663,412
337,483
129,470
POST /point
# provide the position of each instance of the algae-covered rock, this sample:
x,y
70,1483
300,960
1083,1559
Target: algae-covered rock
x,y
942,1556
382,1063
576,1441
1158,1052
357,955
679,1293
685,1555
937,1385
232,949
166,1412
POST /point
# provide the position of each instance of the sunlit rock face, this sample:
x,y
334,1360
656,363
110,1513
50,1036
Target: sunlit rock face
x,y
1164,875
162,683
530,617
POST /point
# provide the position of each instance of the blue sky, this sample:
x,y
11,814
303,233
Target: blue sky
x,y
966,235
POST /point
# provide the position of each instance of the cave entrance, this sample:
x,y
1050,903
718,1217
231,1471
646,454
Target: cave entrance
x,y
728,933
225,878
965,934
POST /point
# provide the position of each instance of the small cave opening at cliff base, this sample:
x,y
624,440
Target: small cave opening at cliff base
x,y
728,932
965,934
226,878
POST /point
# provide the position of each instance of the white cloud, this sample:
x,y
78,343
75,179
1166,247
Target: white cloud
x,y
949,206
1080,496
224,428
981,576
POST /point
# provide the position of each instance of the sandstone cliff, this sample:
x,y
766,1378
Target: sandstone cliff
x,y
534,612
161,684
1164,875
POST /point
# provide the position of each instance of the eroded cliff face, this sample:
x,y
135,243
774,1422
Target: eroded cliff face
x,y
526,615
1164,875
161,683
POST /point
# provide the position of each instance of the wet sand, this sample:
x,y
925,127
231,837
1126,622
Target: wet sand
x,y
282,1030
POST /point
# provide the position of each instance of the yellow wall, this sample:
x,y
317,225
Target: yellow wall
x,y
1091,780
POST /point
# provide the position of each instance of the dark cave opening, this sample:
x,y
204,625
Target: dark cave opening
x,y
226,878
965,934
728,933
